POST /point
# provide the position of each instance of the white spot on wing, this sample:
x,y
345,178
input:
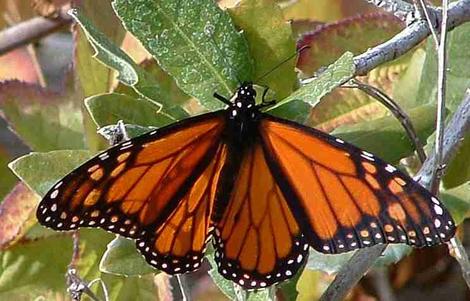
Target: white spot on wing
x,y
390,168
54,194
367,158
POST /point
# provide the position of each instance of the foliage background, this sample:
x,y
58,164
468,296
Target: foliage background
x,y
42,88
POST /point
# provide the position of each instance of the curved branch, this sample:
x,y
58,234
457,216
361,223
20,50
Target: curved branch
x,y
29,31
458,13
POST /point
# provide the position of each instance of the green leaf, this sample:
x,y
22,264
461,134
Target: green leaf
x,y
457,201
405,90
129,72
226,286
122,258
43,119
392,254
271,42
235,292
107,109
458,171
8,178
355,35
131,288
42,170
311,93
194,41
166,83
386,137
16,211
329,264
458,77
37,268
94,76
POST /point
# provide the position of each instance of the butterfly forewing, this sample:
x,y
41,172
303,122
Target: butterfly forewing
x,y
348,198
134,186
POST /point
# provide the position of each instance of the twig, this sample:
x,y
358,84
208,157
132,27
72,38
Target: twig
x,y
183,284
76,286
399,8
350,273
395,109
30,31
441,98
458,13
453,137
424,12
363,259
458,251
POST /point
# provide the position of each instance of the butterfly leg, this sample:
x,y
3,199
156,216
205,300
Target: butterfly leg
x,y
264,102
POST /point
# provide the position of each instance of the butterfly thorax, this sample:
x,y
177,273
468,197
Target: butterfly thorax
x,y
243,116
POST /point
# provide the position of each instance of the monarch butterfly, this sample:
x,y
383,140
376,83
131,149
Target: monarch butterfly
x,y
263,188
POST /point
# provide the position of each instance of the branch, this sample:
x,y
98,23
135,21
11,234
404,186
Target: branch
x,y
398,8
459,13
30,31
441,98
396,110
363,259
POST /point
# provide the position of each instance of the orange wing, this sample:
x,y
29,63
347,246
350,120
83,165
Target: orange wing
x,y
159,184
345,198
258,242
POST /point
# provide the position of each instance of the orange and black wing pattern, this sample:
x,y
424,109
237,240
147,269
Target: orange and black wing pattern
x,y
344,198
257,240
157,188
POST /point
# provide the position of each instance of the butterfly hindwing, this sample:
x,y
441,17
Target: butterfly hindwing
x,y
178,245
347,198
258,242
135,185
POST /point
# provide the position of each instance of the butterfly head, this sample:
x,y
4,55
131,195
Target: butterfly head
x,y
243,102
246,91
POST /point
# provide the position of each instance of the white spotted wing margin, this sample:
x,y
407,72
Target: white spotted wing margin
x,y
348,198
257,241
134,186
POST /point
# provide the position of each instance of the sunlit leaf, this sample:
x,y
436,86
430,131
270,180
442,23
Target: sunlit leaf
x,y
200,48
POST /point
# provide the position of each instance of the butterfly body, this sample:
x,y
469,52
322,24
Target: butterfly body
x,y
263,189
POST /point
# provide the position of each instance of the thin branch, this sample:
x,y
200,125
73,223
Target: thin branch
x,y
441,98
363,259
400,9
426,14
350,273
184,288
458,252
30,31
395,109
454,134
458,13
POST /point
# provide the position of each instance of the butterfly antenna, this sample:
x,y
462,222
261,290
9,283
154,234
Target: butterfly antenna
x,y
283,62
